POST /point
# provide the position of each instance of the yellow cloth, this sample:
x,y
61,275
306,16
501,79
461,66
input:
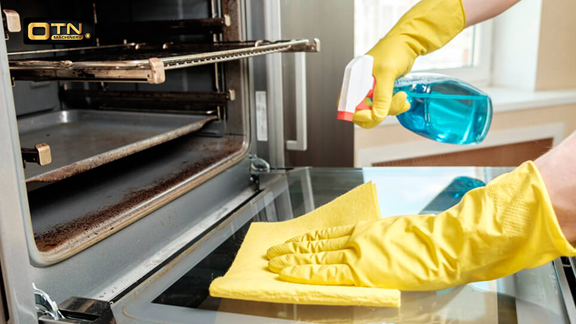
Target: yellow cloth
x,y
426,27
249,278
495,231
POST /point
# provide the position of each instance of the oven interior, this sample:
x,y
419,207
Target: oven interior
x,y
155,107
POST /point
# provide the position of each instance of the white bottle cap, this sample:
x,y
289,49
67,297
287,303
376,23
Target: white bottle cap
x,y
357,83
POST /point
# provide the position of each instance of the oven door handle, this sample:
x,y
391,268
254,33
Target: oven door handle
x,y
301,142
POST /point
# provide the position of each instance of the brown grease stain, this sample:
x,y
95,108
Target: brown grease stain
x,y
104,220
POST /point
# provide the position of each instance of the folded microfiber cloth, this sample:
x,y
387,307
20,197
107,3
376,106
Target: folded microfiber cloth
x,y
249,278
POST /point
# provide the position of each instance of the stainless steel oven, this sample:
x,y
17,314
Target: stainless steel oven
x,y
112,153
131,169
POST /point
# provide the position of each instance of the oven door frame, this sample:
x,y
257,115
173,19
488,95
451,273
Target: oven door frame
x,y
15,236
137,305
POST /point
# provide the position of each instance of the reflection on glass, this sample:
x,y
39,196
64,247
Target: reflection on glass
x,y
530,296
405,190
192,289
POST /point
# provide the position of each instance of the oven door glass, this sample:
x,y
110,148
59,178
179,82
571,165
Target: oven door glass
x,y
178,293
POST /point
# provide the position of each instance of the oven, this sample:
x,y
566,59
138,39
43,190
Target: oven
x,y
132,167
114,151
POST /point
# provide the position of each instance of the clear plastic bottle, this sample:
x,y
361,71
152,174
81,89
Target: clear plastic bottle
x,y
445,109
442,108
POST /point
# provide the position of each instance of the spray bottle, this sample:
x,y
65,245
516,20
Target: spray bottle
x,y
442,108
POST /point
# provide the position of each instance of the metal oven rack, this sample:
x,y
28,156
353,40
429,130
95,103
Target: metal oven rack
x,y
142,62
132,62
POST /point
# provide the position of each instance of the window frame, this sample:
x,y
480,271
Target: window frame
x,y
481,74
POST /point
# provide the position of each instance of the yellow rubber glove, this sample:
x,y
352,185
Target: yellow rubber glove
x,y
428,26
495,231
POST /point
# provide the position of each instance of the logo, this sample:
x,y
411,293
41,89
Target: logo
x,y
58,31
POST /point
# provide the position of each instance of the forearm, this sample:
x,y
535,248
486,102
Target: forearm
x,y
479,10
558,170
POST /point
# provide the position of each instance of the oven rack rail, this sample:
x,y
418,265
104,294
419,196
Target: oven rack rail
x,y
168,101
134,68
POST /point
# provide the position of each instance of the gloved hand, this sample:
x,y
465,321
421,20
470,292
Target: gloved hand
x,y
428,26
495,231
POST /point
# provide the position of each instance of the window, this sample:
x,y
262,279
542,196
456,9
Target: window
x,y
466,57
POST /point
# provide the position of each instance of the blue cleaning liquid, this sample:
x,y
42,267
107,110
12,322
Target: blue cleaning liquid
x,y
445,109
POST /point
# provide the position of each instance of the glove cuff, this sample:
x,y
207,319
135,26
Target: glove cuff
x,y
535,195
511,226
525,213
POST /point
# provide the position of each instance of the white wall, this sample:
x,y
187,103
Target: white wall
x,y
515,48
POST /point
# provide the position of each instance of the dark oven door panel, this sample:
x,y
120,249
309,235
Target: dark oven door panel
x,y
178,292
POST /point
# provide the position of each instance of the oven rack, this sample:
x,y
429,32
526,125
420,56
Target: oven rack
x,y
141,62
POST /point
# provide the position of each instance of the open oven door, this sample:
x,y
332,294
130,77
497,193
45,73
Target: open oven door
x,y
178,291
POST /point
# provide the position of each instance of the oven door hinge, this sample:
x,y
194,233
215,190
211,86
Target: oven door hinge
x,y
45,306
72,310
258,165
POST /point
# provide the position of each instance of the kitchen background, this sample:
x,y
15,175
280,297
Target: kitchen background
x,y
523,59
